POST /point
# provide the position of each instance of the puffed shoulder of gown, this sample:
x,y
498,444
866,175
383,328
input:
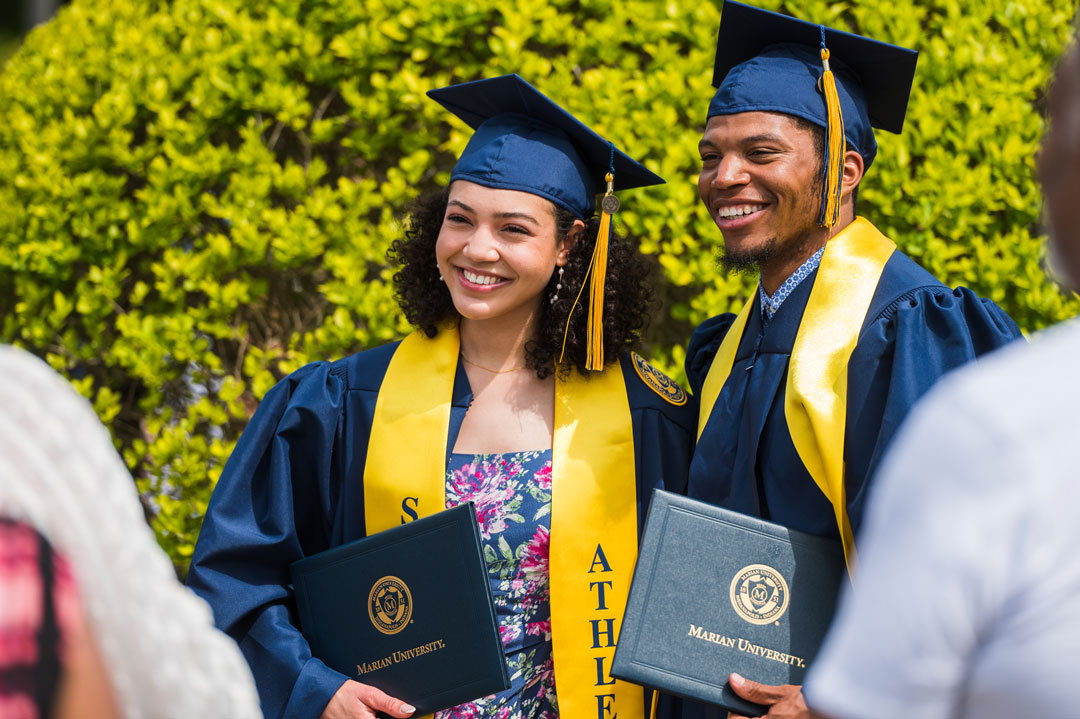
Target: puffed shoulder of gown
x,y
272,506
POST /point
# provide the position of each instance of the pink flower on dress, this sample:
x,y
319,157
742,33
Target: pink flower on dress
x,y
509,632
533,569
534,560
543,477
488,488
536,629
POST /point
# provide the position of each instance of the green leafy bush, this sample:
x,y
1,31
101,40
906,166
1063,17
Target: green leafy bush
x,y
196,195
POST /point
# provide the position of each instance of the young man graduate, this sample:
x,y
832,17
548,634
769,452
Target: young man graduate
x,y
803,390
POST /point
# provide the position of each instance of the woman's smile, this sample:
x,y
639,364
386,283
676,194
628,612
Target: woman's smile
x,y
480,281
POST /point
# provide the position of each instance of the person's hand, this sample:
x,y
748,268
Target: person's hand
x,y
785,701
360,701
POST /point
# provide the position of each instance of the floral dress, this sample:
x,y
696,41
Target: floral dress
x,y
512,493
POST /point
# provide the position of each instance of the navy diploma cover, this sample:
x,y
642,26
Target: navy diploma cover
x,y
407,610
716,592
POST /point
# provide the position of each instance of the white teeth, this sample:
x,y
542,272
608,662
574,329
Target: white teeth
x,y
480,279
739,210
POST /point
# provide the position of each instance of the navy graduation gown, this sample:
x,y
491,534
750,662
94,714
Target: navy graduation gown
x,y
293,487
915,330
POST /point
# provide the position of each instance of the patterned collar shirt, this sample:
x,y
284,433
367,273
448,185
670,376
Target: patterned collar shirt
x,y
770,305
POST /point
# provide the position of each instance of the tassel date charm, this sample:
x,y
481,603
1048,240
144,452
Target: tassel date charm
x,y
609,203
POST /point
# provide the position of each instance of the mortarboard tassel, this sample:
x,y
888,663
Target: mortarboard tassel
x,y
594,343
609,205
834,145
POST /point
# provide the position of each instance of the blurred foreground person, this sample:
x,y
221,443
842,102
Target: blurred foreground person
x,y
511,393
50,664
803,390
967,602
60,474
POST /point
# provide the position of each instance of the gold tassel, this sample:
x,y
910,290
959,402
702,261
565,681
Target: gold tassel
x,y
598,268
594,348
834,146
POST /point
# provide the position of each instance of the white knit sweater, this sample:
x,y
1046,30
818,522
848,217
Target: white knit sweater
x,y
60,472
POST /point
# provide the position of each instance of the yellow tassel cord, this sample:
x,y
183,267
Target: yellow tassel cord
x,y
598,268
834,146
594,359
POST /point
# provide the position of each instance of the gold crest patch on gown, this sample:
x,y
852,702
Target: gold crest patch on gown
x,y
658,381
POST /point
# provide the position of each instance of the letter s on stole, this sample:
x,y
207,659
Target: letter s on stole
x,y
411,511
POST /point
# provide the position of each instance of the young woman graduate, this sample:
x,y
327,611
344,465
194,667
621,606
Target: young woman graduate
x,y
518,392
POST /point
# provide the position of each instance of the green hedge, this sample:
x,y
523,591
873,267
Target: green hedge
x,y
196,195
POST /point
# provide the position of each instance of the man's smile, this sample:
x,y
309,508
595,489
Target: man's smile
x,y
731,216
727,211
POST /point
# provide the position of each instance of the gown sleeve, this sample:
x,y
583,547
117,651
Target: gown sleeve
x,y
664,431
664,439
902,352
701,349
272,506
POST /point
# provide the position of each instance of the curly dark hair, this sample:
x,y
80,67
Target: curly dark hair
x,y
628,295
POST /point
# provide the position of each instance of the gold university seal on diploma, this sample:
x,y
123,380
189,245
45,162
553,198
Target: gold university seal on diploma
x,y
389,605
432,660
759,594
780,584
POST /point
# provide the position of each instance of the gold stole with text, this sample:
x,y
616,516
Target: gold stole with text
x,y
815,402
593,504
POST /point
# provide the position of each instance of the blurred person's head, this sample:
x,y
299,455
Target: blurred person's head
x,y
1059,170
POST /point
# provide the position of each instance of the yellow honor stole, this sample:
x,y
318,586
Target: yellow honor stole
x,y
815,402
593,504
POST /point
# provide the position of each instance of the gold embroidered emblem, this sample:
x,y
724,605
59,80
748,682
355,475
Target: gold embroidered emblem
x,y
658,381
390,605
759,594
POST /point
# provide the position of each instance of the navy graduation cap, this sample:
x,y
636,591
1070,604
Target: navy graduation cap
x,y
843,82
526,142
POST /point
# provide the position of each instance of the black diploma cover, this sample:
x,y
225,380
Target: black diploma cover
x,y
407,610
716,592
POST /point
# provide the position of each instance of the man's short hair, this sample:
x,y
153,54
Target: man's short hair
x,y
819,149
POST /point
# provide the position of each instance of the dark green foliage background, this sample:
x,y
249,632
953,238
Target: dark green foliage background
x,y
196,195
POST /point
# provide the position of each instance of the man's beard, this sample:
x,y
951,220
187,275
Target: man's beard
x,y
747,262
750,261
797,245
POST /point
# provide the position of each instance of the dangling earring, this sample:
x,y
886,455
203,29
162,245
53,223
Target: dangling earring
x,y
437,269
558,286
